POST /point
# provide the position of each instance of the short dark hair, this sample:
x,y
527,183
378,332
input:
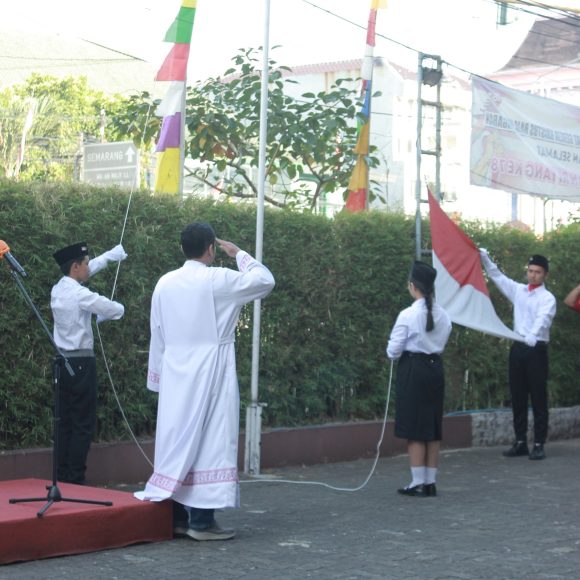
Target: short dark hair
x,y
196,238
539,260
66,267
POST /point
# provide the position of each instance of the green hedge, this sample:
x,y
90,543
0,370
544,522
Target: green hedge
x,y
339,287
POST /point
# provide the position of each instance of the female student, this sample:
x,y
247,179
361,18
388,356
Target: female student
x,y
417,340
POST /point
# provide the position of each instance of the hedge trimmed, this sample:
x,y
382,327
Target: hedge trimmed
x,y
339,287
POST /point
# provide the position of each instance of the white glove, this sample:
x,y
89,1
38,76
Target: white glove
x,y
485,259
116,254
530,340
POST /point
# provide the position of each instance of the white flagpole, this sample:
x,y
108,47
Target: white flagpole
x,y
182,136
254,410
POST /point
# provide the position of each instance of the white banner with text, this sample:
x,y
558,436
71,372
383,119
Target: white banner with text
x,y
522,143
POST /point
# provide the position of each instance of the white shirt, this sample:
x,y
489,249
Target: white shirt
x,y
534,310
409,332
72,306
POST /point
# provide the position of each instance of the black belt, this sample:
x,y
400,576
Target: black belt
x,y
541,343
428,356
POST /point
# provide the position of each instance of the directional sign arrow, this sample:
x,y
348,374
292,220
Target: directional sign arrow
x,y
130,153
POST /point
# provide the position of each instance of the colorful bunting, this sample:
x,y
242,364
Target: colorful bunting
x,y
182,27
174,68
358,183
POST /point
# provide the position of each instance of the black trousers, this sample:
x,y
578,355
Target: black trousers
x,y
78,409
528,375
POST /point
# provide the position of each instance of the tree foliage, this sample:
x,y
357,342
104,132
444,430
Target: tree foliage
x,y
43,123
309,143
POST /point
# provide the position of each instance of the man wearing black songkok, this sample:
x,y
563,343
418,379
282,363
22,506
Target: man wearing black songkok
x,y
72,307
534,311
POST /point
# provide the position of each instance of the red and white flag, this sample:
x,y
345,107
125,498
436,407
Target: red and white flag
x,y
460,285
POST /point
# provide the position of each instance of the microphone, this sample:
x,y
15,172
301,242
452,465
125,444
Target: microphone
x,y
5,253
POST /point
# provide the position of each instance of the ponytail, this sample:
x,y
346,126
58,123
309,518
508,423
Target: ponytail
x,y
429,302
423,276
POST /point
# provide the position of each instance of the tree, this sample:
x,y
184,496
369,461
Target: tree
x,y
44,121
309,140
15,125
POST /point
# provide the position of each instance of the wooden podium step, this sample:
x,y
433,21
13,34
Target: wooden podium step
x,y
74,528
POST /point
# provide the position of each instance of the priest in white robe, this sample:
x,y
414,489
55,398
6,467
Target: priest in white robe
x,y
194,314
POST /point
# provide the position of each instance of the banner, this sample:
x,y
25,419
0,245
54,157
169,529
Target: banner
x,y
522,143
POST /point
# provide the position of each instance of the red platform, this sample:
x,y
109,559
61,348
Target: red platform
x,y
74,528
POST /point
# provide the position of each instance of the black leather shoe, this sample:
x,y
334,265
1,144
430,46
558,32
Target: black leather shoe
x,y
416,491
518,449
537,451
430,490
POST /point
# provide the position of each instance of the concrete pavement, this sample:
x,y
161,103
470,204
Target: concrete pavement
x,y
493,518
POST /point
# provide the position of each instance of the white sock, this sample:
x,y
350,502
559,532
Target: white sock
x,y
418,474
430,475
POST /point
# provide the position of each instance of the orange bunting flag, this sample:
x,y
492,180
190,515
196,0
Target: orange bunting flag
x,y
358,184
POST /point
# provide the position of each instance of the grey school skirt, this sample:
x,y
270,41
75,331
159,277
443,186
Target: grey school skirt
x,y
420,392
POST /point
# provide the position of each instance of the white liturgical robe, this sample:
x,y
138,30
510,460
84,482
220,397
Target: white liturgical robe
x,y
194,313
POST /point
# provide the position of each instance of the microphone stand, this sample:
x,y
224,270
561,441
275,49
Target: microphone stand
x,y
59,359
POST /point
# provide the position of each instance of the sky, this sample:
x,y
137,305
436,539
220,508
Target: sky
x,y
463,32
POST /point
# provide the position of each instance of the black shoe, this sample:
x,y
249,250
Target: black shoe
x,y
538,451
430,490
416,491
518,449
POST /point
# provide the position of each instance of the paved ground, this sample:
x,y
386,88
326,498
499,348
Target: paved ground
x,y
494,518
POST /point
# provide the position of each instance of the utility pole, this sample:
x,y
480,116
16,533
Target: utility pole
x,y
429,73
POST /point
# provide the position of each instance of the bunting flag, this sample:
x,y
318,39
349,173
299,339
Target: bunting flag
x,y
174,67
358,182
460,285
172,108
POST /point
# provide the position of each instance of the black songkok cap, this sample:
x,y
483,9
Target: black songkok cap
x,y
79,250
423,276
539,260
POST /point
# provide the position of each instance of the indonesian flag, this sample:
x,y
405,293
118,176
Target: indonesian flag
x,y
460,285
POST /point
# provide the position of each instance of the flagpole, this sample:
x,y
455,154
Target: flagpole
x,y
418,159
254,410
182,137
367,193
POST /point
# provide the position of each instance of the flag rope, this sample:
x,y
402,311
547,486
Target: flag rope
x,y
270,479
105,359
174,67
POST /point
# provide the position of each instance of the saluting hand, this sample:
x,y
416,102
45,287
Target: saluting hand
x,y
228,247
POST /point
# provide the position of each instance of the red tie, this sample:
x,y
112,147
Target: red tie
x,y
533,286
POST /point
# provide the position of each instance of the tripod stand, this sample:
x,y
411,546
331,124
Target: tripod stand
x,y
54,494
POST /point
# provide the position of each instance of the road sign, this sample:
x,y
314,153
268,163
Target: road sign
x,y
111,164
